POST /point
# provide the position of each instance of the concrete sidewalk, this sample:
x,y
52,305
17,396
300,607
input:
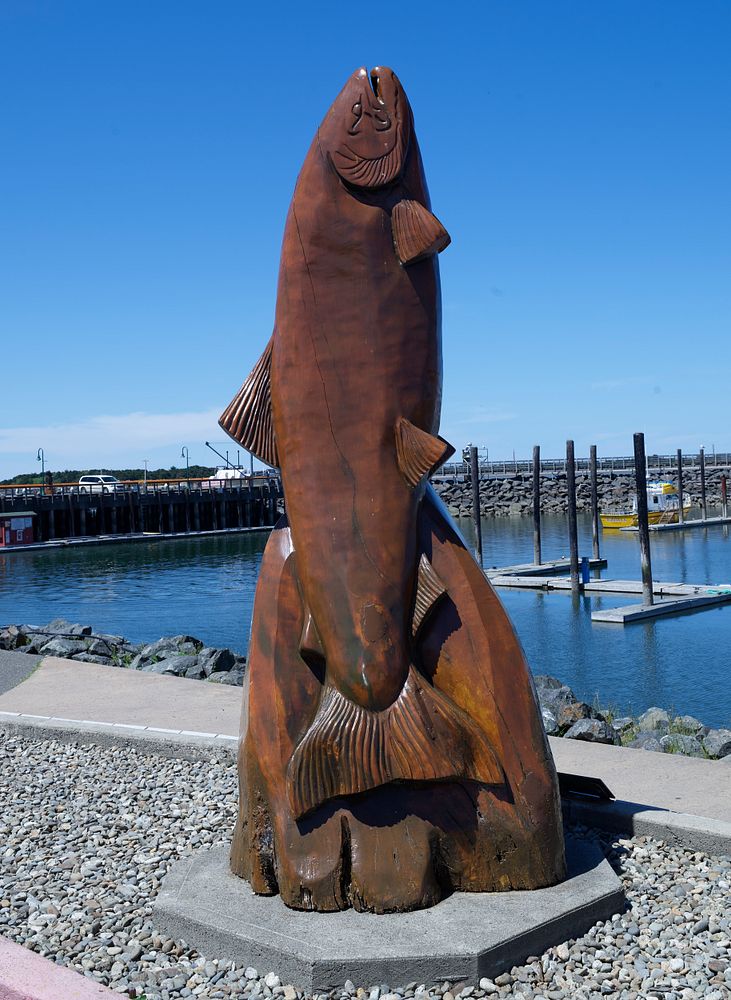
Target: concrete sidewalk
x,y
14,668
683,799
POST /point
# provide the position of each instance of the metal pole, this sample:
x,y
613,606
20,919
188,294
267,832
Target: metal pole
x,y
704,510
642,520
571,501
681,512
724,496
537,504
594,503
475,477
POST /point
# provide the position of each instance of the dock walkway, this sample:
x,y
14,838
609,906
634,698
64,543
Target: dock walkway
x,y
673,598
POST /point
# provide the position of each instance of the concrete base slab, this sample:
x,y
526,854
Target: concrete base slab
x,y
465,937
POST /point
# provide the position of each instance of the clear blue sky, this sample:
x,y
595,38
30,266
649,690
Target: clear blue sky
x,y
579,154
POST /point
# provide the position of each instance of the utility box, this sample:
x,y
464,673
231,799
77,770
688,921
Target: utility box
x,y
16,528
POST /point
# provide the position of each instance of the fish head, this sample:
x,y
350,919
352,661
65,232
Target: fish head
x,y
366,132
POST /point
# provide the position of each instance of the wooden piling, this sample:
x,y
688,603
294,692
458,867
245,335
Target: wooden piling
x,y
642,519
681,512
724,496
475,477
537,504
704,508
594,503
571,506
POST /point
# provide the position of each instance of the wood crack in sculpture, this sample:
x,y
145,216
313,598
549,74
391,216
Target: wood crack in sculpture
x,y
392,750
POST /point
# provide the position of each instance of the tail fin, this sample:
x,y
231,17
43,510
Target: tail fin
x,y
423,736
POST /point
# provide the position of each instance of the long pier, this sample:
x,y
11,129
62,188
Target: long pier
x,y
180,507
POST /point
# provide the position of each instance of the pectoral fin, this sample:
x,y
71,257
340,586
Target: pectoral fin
x,y
418,452
248,417
416,232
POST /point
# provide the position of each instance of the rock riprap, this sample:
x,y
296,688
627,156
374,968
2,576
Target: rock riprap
x,y
88,834
566,715
511,494
176,656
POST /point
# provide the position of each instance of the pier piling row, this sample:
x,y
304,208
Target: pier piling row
x,y
150,508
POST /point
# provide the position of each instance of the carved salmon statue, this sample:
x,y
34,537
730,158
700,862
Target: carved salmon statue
x,y
345,401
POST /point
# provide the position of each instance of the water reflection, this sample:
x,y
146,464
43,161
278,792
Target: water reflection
x,y
676,662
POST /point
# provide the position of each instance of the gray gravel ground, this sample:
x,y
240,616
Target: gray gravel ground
x,y
87,834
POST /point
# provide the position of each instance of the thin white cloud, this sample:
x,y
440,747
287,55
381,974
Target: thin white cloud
x,y
625,382
485,415
106,440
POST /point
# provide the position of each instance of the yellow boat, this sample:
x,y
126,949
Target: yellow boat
x,y
662,508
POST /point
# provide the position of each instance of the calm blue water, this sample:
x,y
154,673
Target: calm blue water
x,y
205,587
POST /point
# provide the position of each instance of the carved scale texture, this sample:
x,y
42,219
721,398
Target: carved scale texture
x,y
429,588
349,749
417,451
416,232
248,417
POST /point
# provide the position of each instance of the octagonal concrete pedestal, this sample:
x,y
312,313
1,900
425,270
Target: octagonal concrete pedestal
x,y
465,937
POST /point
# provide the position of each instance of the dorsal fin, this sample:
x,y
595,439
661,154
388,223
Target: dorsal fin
x,y
416,232
417,451
429,588
248,417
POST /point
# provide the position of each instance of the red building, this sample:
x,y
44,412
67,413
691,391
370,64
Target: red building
x,y
16,528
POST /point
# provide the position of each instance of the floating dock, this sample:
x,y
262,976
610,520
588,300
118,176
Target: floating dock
x,y
698,522
553,566
672,598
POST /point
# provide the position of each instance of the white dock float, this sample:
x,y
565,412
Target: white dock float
x,y
673,598
640,612
544,569
698,522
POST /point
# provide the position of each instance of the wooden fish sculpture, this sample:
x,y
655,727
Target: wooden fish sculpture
x,y
391,749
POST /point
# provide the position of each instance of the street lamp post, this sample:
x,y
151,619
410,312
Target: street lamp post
x,y
184,454
40,457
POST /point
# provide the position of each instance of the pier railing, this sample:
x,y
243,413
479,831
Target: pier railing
x,y
140,486
656,464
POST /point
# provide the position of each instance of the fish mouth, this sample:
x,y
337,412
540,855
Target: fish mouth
x,y
375,79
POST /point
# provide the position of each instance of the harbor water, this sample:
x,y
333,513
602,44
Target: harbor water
x,y
205,588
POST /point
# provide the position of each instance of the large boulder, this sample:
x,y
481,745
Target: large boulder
x,y
549,722
592,731
689,725
717,742
552,694
569,714
214,661
104,661
175,665
646,741
623,725
683,744
60,626
66,648
232,677
12,637
654,719
170,645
